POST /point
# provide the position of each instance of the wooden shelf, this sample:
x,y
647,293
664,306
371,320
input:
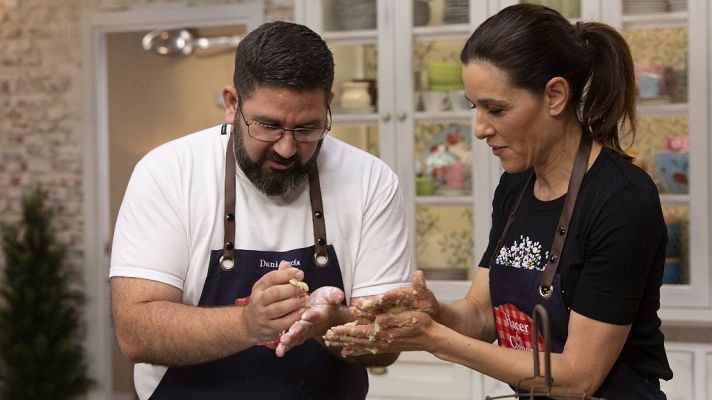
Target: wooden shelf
x,y
673,198
447,201
355,118
464,115
663,109
677,19
346,38
443,32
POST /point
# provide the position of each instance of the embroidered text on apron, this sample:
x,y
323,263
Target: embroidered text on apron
x,y
308,371
515,292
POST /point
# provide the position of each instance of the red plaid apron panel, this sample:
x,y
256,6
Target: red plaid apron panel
x,y
514,328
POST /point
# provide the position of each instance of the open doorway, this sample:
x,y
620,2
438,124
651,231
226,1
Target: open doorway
x,y
137,100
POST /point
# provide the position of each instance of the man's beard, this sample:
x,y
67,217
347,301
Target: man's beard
x,y
271,181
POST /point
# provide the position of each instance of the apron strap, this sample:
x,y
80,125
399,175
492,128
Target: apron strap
x,y
510,221
580,166
227,261
321,257
579,170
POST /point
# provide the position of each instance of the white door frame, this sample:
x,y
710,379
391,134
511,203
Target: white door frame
x,y
96,27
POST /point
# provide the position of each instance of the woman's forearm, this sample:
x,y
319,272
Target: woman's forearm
x,y
468,318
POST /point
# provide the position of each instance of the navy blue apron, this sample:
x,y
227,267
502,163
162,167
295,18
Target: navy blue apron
x,y
514,293
308,371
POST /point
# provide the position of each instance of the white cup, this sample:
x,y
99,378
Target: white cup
x,y
434,101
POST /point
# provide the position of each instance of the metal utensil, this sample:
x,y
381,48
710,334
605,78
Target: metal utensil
x,y
181,42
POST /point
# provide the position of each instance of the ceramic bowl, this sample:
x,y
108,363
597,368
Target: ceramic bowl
x,y
673,168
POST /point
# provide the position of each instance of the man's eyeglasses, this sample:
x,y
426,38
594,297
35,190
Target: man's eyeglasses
x,y
272,133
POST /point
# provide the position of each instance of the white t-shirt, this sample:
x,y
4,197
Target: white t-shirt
x,y
172,217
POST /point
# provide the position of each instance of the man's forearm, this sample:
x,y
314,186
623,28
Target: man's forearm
x,y
168,333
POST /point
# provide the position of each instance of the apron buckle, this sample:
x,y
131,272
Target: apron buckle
x,y
546,291
226,263
320,260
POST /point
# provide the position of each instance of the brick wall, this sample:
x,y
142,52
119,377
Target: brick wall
x,y
41,105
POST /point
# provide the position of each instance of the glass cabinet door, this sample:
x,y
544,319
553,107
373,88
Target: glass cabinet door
x,y
355,103
670,47
657,33
350,29
405,56
442,151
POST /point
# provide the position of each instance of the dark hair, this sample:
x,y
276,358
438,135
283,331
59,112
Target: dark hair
x,y
283,55
534,44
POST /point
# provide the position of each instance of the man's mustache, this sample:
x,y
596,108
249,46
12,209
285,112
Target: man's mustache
x,y
273,156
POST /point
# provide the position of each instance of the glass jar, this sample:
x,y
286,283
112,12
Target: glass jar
x,y
355,95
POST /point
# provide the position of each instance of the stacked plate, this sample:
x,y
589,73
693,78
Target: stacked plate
x,y
456,12
677,5
355,14
644,6
421,12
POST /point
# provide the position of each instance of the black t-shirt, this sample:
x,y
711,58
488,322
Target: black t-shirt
x,y
612,263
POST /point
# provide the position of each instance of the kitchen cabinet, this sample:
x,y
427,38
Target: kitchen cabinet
x,y
400,47
671,49
419,121
403,48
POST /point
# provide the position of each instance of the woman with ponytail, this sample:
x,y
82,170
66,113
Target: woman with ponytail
x,y
576,227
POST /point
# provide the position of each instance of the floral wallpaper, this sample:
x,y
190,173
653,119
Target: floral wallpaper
x,y
444,237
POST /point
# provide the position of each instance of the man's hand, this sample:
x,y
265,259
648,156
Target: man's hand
x,y
274,304
322,308
415,298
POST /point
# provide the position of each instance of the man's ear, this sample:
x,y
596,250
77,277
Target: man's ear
x,y
331,97
557,93
229,95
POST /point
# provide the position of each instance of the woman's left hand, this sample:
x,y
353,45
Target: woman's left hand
x,y
389,333
417,297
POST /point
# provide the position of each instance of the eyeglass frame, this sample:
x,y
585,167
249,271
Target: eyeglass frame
x,y
293,131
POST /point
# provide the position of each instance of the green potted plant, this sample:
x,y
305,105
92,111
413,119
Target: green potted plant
x,y
41,354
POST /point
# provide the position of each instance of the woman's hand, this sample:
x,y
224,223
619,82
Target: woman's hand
x,y
320,314
415,298
388,333
391,322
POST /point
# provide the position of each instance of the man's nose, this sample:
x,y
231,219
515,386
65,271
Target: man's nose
x,y
286,146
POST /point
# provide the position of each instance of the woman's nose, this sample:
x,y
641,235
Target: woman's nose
x,y
482,126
